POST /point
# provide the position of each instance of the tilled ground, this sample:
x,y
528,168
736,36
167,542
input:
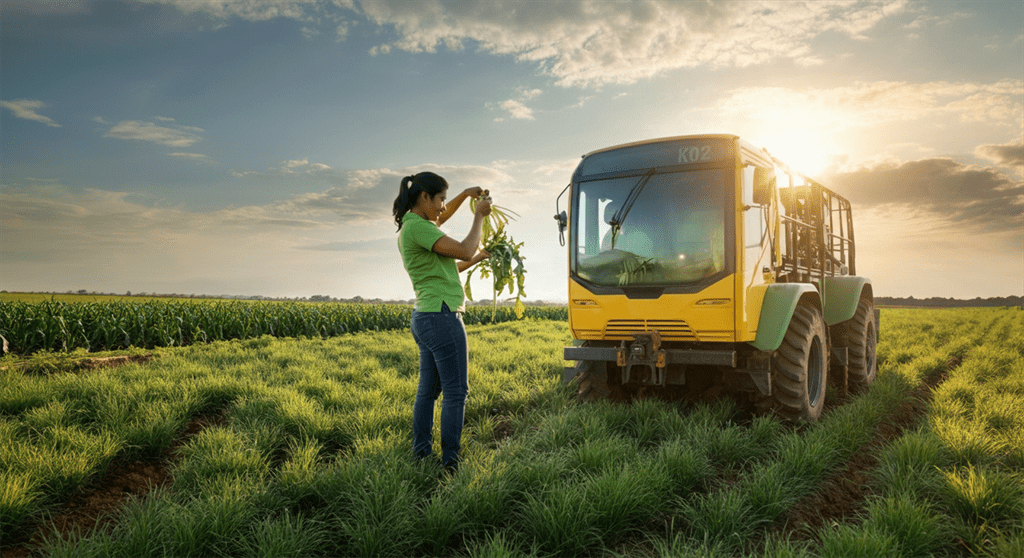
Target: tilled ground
x,y
839,498
844,493
95,507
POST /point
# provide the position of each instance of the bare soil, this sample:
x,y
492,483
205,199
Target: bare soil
x,y
96,506
839,498
110,362
88,363
842,496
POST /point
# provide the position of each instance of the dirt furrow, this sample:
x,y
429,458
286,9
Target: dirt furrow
x,y
844,493
95,507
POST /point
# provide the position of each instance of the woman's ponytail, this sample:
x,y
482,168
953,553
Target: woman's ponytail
x,y
402,202
409,191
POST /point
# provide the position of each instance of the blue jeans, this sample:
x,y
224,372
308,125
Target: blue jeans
x,y
444,368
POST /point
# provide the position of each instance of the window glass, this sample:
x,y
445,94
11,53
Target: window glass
x,y
673,233
754,225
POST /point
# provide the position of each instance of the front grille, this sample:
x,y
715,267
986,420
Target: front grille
x,y
711,335
670,330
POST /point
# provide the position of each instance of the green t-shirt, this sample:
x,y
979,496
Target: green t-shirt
x,y
434,277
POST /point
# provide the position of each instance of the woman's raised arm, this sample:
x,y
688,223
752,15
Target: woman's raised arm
x,y
465,250
453,205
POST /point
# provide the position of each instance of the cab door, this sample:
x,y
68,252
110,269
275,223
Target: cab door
x,y
755,242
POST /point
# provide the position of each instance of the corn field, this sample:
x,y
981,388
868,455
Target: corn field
x,y
111,325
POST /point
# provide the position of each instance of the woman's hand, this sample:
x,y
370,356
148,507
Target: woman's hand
x,y
480,256
454,203
483,206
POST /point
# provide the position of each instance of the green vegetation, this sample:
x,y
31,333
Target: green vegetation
x,y
955,485
27,327
504,251
307,452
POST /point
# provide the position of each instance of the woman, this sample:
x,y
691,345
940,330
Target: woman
x,y
429,257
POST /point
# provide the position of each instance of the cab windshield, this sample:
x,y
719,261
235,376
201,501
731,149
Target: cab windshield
x,y
672,234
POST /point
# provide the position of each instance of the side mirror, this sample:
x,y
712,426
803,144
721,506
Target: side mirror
x,y
563,221
561,217
764,185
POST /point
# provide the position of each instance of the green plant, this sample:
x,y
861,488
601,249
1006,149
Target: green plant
x,y
635,270
58,327
505,265
915,525
849,541
721,517
560,520
304,449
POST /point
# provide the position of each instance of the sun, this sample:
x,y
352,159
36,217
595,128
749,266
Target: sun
x,y
804,151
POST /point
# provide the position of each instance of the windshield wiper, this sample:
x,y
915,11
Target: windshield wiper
x,y
634,193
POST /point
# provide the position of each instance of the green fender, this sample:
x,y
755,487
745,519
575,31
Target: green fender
x,y
840,297
780,300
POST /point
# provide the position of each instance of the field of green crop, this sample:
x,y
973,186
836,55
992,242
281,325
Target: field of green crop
x,y
301,447
104,325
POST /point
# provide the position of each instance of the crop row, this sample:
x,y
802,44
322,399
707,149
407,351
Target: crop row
x,y
307,451
102,326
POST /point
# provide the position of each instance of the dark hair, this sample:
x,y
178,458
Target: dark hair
x,y
410,189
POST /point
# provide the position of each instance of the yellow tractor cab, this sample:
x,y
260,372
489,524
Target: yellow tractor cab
x,y
702,264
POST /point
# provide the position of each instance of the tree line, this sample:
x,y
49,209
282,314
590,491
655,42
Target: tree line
x,y
939,302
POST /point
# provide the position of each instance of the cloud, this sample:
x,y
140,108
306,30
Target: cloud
x,y
180,136
1010,155
251,10
26,109
590,42
340,233
341,31
980,199
357,196
56,238
294,164
586,42
47,6
517,109
882,102
367,195
198,157
380,245
527,94
92,217
908,251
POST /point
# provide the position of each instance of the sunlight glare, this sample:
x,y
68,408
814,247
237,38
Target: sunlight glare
x,y
804,151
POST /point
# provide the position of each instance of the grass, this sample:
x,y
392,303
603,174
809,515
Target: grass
x,y
917,526
307,452
954,485
851,541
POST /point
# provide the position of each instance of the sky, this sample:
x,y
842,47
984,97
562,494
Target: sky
x,y
255,147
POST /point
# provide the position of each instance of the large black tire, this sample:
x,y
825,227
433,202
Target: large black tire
x,y
800,367
861,340
593,380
